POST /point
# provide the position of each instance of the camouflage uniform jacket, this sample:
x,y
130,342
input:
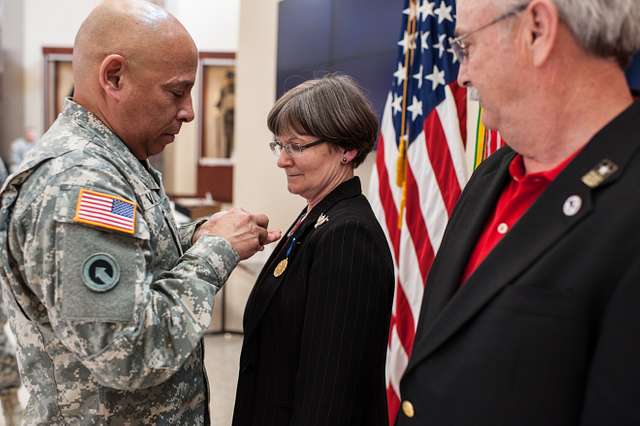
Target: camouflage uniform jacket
x,y
129,352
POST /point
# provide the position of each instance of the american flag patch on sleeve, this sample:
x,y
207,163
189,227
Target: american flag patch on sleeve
x,y
106,211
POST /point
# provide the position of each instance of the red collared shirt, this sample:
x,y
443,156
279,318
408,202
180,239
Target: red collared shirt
x,y
520,194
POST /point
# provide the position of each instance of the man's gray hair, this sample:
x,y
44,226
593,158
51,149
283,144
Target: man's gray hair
x,y
605,28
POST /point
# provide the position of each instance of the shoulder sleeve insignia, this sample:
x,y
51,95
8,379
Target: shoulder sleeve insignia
x,y
100,272
106,211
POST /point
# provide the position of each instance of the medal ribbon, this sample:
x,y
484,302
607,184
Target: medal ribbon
x,y
282,265
290,248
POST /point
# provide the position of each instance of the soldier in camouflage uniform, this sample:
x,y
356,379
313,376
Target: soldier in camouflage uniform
x,y
9,376
108,298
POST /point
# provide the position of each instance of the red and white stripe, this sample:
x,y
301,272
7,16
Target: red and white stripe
x,y
96,209
436,173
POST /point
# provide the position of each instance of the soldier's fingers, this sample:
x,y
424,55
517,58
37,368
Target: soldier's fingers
x,y
261,219
272,236
263,235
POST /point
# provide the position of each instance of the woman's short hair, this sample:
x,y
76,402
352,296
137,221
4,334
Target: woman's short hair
x,y
332,108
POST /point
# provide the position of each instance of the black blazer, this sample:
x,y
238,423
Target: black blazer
x,y
316,337
547,330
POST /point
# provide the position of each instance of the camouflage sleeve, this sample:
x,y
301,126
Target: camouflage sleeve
x,y
126,304
186,232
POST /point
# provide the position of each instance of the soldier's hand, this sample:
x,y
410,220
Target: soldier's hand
x,y
247,233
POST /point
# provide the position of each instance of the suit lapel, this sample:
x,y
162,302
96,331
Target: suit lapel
x,y
473,209
266,284
255,307
450,309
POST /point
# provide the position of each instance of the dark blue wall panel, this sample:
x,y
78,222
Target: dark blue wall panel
x,y
303,26
365,27
633,73
355,37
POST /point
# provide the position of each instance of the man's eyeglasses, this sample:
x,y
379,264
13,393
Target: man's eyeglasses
x,y
292,149
460,49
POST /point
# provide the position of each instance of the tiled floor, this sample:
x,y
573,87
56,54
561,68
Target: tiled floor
x,y
222,354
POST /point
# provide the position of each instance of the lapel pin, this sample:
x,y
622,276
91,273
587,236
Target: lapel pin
x,y
321,220
572,205
599,173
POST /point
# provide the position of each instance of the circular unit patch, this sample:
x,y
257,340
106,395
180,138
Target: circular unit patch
x,y
100,272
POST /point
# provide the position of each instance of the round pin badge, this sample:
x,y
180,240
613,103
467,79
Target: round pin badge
x,y
572,205
100,272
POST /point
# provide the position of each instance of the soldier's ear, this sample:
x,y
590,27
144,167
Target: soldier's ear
x,y
111,71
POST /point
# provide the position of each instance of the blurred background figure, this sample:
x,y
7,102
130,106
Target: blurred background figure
x,y
226,105
21,146
9,376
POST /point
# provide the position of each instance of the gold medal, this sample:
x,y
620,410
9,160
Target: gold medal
x,y
281,267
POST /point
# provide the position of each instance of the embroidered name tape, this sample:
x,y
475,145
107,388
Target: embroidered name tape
x,y
106,211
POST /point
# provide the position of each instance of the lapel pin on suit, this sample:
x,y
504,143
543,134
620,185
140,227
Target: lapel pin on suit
x,y
599,173
321,220
572,205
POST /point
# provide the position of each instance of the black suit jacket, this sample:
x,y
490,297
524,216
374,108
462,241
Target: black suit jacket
x,y
547,330
315,338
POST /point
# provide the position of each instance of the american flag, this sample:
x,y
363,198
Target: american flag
x,y
420,165
106,211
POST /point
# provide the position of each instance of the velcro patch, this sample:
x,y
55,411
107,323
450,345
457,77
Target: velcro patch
x,y
106,211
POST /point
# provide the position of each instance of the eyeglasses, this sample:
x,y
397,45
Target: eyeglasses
x,y
460,49
293,148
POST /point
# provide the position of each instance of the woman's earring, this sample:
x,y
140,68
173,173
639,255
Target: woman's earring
x,y
344,160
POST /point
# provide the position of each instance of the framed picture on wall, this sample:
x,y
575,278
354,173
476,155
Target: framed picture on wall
x,y
58,81
216,112
217,104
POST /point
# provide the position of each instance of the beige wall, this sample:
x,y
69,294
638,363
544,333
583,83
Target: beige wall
x,y
246,26
28,25
213,24
12,53
46,23
258,184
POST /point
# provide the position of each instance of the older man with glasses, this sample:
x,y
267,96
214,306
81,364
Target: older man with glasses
x,y
530,315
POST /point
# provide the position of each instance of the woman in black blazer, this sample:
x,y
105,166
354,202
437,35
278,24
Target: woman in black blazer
x,y
317,321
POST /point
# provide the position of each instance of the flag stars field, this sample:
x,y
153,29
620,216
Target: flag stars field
x,y
444,13
424,44
418,76
400,74
426,9
415,108
436,78
440,45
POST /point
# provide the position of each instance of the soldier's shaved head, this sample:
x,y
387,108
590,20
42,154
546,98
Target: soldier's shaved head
x,y
140,31
134,66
